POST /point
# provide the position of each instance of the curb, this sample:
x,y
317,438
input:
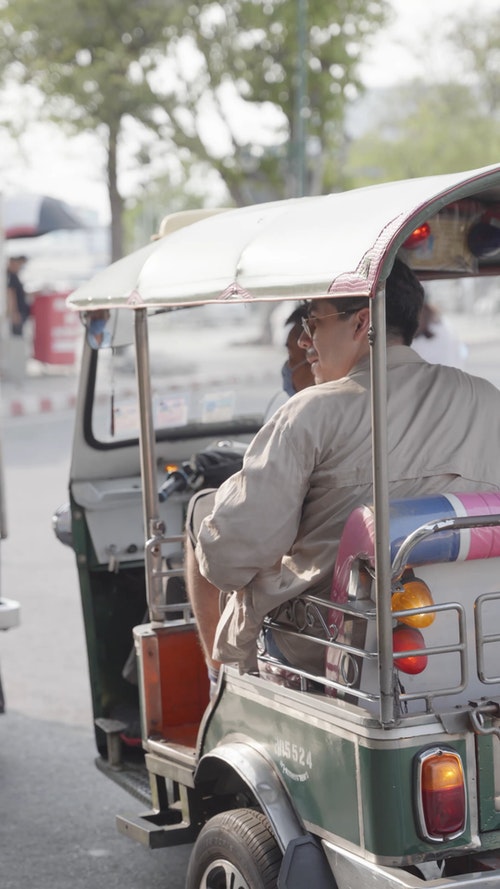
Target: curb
x,y
29,405
25,404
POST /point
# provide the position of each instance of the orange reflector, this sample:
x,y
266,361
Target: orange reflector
x,y
442,794
416,594
417,236
409,639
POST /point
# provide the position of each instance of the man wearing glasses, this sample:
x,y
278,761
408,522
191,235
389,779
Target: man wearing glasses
x,y
272,531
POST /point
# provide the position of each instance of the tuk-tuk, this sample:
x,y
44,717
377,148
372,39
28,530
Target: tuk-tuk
x,y
375,774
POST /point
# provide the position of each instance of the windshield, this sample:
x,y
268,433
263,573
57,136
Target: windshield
x,y
210,365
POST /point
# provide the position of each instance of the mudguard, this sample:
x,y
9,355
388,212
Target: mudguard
x,y
304,861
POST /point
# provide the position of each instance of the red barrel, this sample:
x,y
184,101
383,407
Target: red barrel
x,y
57,329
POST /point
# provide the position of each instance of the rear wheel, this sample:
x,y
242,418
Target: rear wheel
x,y
235,850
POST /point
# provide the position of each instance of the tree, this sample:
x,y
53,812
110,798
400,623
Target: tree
x,y
445,124
276,75
178,190
423,129
478,48
91,62
186,72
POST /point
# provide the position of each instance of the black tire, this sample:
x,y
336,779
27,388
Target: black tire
x,y
235,850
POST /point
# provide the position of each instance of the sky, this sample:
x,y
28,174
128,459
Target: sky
x,y
72,168
397,50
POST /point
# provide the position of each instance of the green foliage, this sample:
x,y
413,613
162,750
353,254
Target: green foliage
x,y
426,129
94,54
92,62
450,125
268,54
478,54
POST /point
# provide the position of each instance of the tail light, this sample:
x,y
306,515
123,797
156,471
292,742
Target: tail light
x,y
408,639
441,800
417,236
415,594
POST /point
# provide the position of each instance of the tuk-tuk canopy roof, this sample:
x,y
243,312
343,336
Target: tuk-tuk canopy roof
x,y
334,245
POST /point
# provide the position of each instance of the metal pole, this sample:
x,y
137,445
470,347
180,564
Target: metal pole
x,y
3,292
3,517
3,315
152,525
301,101
381,504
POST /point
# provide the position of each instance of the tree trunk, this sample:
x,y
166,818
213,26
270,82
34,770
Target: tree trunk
x,y
115,198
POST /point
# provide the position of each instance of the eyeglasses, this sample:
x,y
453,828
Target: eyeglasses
x,y
309,323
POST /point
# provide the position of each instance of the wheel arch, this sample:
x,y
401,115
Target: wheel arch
x,y
241,766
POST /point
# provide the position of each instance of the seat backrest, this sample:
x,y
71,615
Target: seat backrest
x,y
447,546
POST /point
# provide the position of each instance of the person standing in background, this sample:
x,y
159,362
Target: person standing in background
x,y
17,305
436,342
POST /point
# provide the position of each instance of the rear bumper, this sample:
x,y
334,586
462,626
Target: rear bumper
x,y
350,871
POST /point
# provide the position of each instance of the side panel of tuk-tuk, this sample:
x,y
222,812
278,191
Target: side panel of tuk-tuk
x,y
349,783
112,602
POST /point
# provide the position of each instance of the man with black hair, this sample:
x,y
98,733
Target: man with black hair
x,y
275,526
296,373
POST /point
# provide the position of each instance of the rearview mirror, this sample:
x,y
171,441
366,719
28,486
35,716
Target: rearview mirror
x,y
108,328
99,328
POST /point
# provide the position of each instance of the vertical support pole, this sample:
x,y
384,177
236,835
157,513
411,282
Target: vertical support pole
x,y
3,518
3,292
152,525
3,334
381,504
300,135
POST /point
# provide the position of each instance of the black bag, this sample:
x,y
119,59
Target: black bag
x,y
214,465
207,469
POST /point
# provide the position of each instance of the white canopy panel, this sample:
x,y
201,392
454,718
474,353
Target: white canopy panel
x,y
337,245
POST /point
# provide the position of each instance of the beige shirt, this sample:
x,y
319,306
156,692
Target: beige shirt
x,y
276,524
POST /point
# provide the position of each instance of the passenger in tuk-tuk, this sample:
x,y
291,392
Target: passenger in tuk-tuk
x,y
296,375
271,531
296,371
436,341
